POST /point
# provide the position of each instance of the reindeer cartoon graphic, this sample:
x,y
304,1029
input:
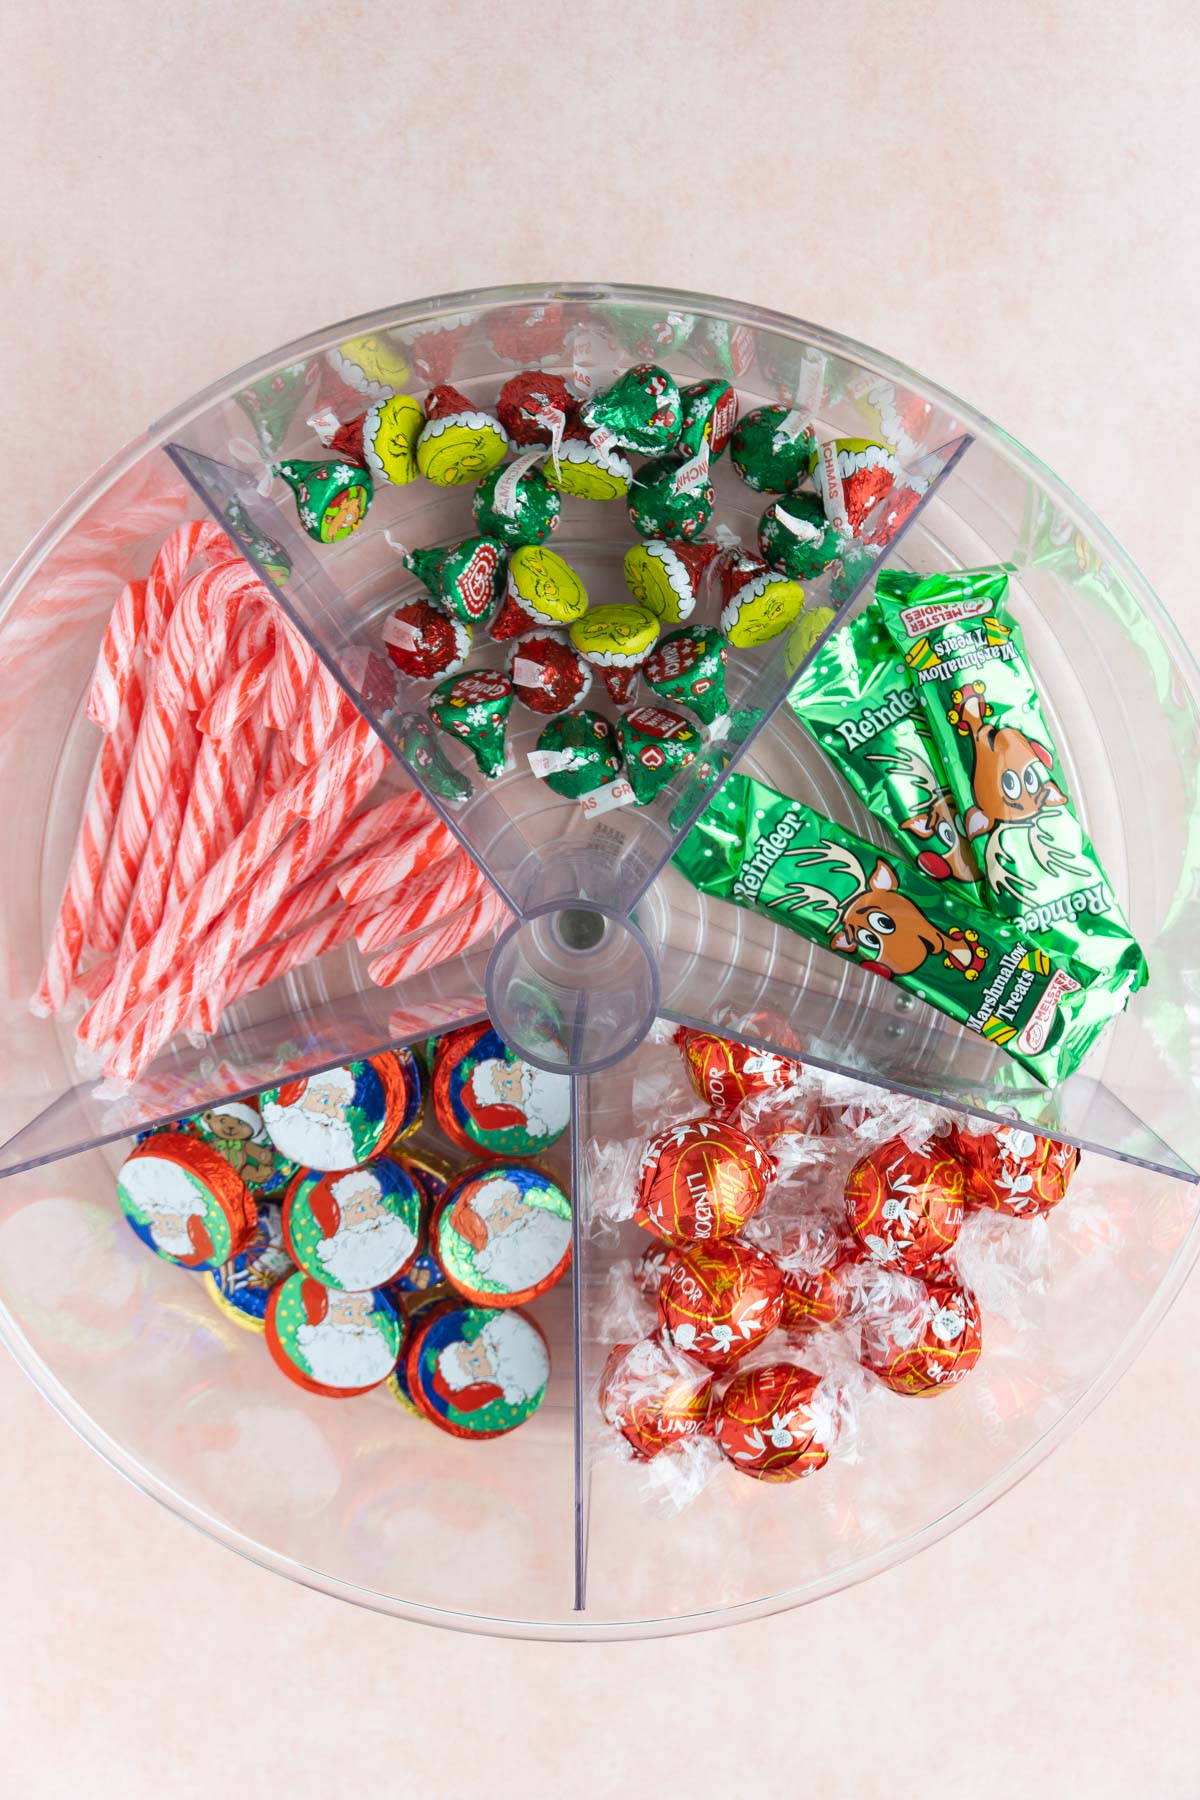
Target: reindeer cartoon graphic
x,y
1010,777
949,856
875,918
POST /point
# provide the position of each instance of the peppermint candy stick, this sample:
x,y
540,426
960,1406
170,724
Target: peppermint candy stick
x,y
210,963
120,648
322,712
195,538
326,933
352,765
290,673
471,923
91,846
379,874
148,900
445,885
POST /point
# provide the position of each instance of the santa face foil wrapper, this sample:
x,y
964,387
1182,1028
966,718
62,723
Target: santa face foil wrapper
x,y
357,1228
1012,1170
719,1301
929,1347
858,705
701,1181
777,856
905,1206
767,1423
966,655
654,1396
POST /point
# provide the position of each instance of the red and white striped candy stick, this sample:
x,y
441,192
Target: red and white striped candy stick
x,y
237,696
148,900
294,663
152,755
211,962
280,768
304,946
471,923
119,650
382,873
434,894
194,538
91,847
323,712
352,765
219,804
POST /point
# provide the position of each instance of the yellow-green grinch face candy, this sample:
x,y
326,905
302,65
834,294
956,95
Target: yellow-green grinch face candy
x,y
545,586
666,577
588,472
759,602
459,443
399,423
804,634
616,636
375,359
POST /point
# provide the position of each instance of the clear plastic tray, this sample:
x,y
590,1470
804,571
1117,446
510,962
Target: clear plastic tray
x,y
539,1533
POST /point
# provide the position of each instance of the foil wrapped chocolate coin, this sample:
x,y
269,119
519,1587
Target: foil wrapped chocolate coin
x,y
773,449
654,1396
548,675
688,667
236,1130
905,1206
585,752
423,641
710,410
588,471
503,1234
769,1423
185,1202
701,1181
332,497
655,744
332,1342
459,443
487,1100
720,1301
723,1073
667,500
241,1288
760,603
1012,1170
354,1228
516,504
795,537
475,1372
542,588
667,578
929,1347
339,1117
383,440
413,1310
467,577
474,707
641,411
535,407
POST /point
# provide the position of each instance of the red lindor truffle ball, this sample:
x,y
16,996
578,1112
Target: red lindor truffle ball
x,y
654,1265
723,1073
766,1423
905,1206
1012,1170
924,1352
701,1181
720,1301
811,1301
652,1397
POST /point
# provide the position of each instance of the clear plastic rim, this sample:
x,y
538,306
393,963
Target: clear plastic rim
x,y
578,1627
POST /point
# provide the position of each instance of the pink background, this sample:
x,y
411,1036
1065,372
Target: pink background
x,y
1004,197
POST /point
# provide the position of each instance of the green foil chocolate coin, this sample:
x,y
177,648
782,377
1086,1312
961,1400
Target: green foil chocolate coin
x,y
585,752
474,708
516,504
655,744
503,1234
795,537
664,502
641,411
467,577
773,449
688,667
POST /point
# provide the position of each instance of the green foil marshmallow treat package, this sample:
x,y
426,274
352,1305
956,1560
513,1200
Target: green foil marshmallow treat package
x,y
575,903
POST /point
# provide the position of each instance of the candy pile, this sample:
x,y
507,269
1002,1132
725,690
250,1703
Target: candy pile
x,y
806,1233
994,908
642,440
235,827
318,1219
